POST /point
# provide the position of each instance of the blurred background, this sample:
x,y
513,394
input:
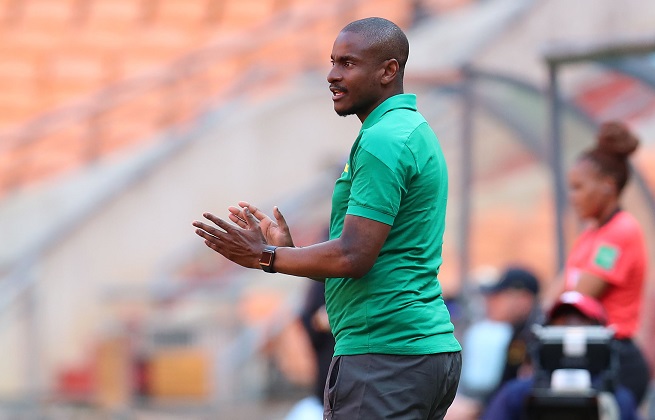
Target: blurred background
x,y
122,121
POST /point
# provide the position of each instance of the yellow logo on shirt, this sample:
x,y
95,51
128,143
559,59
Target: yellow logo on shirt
x,y
345,169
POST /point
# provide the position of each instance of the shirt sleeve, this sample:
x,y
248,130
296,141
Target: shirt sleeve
x,y
612,255
376,189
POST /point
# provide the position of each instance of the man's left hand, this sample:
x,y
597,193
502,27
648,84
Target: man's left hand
x,y
241,245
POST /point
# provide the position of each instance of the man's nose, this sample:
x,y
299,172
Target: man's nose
x,y
333,75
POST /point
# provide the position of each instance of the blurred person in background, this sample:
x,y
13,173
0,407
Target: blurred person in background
x,y
608,260
495,349
514,299
571,309
313,317
396,355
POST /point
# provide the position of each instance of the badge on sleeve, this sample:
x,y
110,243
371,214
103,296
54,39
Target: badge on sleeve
x,y
606,256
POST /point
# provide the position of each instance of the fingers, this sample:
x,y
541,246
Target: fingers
x,y
218,221
206,231
283,234
210,232
236,217
240,245
260,215
281,221
211,240
204,234
250,219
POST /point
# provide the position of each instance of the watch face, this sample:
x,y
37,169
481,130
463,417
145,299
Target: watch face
x,y
267,258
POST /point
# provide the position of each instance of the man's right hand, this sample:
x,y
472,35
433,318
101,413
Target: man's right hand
x,y
276,232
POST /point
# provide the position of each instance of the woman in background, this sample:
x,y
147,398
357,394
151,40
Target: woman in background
x,y
608,261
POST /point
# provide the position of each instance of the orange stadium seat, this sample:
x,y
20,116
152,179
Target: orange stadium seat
x,y
46,15
113,15
60,51
245,13
182,12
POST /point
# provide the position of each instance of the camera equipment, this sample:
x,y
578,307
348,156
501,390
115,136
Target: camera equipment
x,y
575,371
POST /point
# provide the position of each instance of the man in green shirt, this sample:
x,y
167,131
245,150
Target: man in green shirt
x,y
396,354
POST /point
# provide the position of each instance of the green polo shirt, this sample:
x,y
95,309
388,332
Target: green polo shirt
x,y
396,174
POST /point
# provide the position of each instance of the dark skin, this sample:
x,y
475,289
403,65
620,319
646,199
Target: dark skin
x,y
594,197
360,80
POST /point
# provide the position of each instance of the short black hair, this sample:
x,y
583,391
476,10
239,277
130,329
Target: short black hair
x,y
385,38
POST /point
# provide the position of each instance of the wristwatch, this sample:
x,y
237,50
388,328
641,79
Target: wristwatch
x,y
267,258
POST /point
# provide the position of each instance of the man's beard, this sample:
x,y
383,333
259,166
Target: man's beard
x,y
353,110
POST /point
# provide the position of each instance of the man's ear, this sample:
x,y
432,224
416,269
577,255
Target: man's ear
x,y
391,68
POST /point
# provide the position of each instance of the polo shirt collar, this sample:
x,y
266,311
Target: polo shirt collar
x,y
403,100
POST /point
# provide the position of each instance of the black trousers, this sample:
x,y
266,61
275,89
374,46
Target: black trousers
x,y
382,386
634,372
